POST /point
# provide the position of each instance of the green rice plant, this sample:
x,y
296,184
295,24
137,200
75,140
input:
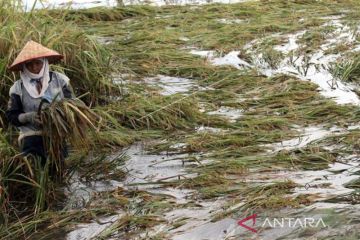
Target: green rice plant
x,y
269,196
325,111
155,112
151,43
272,57
128,225
309,158
143,211
206,179
347,142
42,178
28,226
346,70
312,39
25,187
102,167
101,13
212,192
7,151
339,48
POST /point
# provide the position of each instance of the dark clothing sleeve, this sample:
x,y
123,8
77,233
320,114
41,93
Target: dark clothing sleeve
x,y
15,107
67,91
14,110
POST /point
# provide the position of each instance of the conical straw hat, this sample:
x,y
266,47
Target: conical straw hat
x,y
33,50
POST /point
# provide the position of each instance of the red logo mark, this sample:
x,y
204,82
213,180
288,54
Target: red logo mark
x,y
253,217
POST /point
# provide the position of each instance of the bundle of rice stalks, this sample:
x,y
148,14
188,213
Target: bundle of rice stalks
x,y
68,120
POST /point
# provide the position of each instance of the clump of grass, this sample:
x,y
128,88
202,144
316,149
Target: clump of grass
x,y
270,196
342,144
155,112
312,39
28,226
309,158
143,212
102,168
7,151
347,69
102,13
338,48
23,180
129,225
272,57
245,138
205,180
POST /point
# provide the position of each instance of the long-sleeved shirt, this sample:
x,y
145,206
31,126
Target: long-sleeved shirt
x,y
21,102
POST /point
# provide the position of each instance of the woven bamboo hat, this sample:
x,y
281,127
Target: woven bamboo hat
x,y
33,50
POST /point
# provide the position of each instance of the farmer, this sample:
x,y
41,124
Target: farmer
x,y
37,87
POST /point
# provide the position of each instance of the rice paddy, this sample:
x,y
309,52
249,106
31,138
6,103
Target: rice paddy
x,y
196,117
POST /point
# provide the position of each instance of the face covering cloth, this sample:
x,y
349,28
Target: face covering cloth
x,y
27,77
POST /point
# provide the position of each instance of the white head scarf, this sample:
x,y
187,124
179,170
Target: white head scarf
x,y
26,77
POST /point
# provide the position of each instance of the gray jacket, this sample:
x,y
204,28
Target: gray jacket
x,y
21,102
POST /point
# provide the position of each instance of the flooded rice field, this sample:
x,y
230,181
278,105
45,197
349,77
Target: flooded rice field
x,y
272,151
322,192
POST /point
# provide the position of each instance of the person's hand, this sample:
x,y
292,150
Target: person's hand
x,y
45,105
30,117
